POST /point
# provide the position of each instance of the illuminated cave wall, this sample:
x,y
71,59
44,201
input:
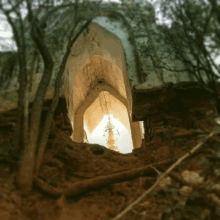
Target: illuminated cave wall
x,y
96,118
97,64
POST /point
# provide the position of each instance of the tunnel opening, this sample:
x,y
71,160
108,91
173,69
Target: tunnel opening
x,y
100,73
106,122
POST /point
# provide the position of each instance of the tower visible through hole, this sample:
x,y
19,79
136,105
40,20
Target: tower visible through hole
x,y
106,122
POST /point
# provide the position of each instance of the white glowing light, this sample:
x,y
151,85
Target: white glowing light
x,y
122,140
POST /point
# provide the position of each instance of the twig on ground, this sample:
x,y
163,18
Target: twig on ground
x,y
162,176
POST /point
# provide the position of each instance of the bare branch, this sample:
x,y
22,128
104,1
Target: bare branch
x,y
179,161
58,83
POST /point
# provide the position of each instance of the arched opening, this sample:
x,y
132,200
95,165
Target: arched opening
x,y
106,122
97,64
78,131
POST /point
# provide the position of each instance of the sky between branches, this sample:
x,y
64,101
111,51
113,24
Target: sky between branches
x,y
6,41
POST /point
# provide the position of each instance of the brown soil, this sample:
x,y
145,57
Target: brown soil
x,y
66,163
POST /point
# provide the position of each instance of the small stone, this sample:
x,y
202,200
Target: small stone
x,y
185,190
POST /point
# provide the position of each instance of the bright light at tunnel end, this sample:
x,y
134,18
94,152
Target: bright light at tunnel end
x,y
122,136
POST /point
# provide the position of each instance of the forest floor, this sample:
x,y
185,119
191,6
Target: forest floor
x,y
185,194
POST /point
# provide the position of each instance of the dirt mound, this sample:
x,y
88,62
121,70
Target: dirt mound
x,y
83,181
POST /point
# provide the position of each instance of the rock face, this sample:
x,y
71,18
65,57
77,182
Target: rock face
x,y
169,98
108,52
179,105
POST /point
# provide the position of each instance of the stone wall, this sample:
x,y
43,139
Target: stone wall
x,y
109,51
123,52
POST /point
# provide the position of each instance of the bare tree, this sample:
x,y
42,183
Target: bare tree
x,y
193,39
37,28
189,35
20,43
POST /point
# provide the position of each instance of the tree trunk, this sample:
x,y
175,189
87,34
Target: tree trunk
x,y
28,85
18,142
58,85
18,132
26,112
95,183
27,162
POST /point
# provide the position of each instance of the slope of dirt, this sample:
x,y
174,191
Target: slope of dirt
x,y
67,163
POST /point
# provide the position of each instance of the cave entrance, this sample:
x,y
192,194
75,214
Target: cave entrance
x,y
96,68
106,122
118,108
